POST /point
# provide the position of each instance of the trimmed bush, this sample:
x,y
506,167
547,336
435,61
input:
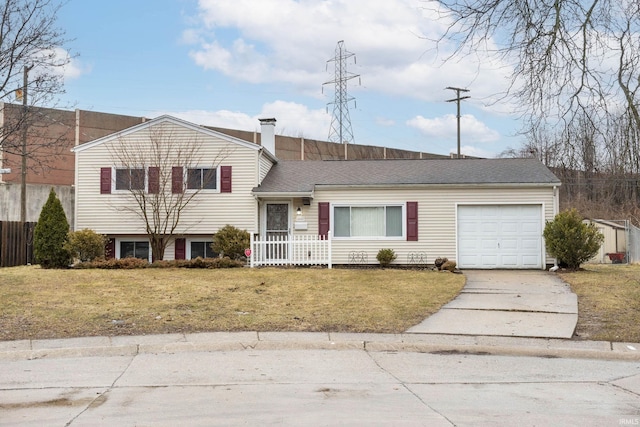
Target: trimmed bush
x,y
86,245
571,241
130,263
50,235
386,257
231,242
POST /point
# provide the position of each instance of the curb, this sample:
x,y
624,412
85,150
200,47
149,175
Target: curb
x,y
243,341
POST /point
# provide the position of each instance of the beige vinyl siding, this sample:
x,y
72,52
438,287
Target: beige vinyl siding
x,y
206,213
265,167
436,216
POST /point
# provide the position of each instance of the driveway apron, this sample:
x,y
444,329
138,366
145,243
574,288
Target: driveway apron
x,y
515,303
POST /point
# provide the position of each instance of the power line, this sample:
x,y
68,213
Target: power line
x,y
340,130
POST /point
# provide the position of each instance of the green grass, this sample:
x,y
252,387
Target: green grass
x,y
40,303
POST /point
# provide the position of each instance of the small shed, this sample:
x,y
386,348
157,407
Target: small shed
x,y
614,247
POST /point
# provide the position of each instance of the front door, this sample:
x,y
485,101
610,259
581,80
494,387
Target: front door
x,y
277,231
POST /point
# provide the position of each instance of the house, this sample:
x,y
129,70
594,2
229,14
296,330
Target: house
x,y
53,132
614,247
482,213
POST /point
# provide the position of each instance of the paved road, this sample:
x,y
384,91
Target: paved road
x,y
316,388
316,379
531,303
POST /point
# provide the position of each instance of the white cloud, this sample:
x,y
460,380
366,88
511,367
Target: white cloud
x,y
292,119
59,62
446,127
290,41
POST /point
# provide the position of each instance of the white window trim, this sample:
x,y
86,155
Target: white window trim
x,y
187,253
403,205
131,239
114,173
185,171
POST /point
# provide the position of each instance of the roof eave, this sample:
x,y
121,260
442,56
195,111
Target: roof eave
x,y
282,194
439,185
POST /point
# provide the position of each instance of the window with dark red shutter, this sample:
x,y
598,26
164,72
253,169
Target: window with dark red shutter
x,y
412,221
105,180
154,180
225,179
323,219
181,246
177,177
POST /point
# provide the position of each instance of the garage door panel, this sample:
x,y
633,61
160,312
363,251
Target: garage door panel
x,y
510,261
533,244
500,236
508,244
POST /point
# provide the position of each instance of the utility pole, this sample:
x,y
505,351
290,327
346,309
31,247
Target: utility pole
x,y
457,99
340,130
23,184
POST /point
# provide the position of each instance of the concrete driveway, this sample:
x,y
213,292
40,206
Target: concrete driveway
x,y
516,303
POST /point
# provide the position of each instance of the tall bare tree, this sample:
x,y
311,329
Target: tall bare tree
x,y
570,57
31,62
29,38
163,174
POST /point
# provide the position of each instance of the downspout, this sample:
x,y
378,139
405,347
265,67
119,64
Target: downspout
x,y
556,208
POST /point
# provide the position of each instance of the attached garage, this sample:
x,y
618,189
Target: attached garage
x,y
500,236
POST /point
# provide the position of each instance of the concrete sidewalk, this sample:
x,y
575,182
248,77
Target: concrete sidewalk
x,y
530,303
239,341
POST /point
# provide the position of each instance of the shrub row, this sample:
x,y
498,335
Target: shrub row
x,y
131,263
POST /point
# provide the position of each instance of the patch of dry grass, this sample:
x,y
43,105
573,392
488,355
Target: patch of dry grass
x,y
608,302
38,303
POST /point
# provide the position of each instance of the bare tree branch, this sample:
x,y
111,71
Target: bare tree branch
x,y
160,209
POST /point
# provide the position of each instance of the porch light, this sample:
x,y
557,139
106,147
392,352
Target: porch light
x,y
299,211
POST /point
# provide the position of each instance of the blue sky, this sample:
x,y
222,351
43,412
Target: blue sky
x,y
228,63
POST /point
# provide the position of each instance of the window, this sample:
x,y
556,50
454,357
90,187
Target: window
x,y
129,179
201,178
134,250
202,250
368,221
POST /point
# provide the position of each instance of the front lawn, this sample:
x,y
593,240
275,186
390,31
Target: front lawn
x,y
608,301
39,303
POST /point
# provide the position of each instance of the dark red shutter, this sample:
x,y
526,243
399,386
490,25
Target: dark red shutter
x,y
323,219
225,179
177,177
154,180
412,221
105,180
181,246
110,249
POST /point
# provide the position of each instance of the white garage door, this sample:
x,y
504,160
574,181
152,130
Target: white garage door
x,y
500,236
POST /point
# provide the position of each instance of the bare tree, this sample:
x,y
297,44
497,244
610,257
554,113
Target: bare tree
x,y
163,173
31,62
571,57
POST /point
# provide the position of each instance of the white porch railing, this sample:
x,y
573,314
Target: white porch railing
x,y
291,250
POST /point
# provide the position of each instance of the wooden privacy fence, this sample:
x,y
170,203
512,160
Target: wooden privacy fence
x,y
291,250
16,243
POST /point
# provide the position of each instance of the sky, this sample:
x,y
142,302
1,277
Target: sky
x,y
228,63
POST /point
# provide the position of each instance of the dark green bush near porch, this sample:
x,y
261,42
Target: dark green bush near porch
x,y
231,242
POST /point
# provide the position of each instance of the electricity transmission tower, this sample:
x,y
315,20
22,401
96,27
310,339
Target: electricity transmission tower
x,y
340,130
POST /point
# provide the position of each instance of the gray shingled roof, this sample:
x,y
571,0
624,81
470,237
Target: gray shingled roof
x,y
291,176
